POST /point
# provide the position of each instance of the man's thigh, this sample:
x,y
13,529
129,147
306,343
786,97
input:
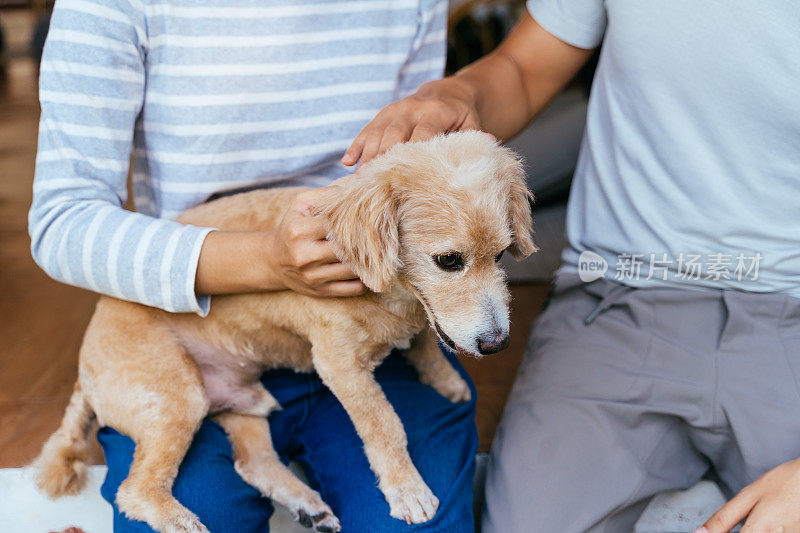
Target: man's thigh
x,y
588,436
207,484
758,388
442,442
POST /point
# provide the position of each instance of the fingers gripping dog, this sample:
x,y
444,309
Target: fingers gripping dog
x,y
423,227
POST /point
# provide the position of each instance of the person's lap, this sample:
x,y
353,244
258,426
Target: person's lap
x,y
660,386
313,429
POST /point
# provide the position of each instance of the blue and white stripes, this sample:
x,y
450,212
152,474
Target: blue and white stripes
x,y
197,98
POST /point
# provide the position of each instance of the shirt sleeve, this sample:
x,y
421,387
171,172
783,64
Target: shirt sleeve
x,y
426,60
580,23
91,92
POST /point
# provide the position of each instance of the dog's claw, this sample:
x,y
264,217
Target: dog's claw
x,y
413,503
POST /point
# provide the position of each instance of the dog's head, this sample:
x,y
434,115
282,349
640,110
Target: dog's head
x,y
436,216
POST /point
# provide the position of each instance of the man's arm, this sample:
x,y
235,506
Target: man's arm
x,y
499,94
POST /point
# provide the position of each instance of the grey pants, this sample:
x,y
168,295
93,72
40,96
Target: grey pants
x,y
625,393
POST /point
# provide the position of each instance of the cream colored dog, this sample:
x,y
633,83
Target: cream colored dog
x,y
423,227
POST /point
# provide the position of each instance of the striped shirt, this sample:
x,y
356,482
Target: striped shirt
x,y
195,98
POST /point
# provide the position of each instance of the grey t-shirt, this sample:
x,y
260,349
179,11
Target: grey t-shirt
x,y
689,172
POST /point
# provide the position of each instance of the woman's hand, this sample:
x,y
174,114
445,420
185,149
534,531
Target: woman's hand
x,y
303,261
293,256
438,106
770,504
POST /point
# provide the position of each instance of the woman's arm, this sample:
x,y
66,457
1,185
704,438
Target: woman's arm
x,y
499,94
91,91
294,256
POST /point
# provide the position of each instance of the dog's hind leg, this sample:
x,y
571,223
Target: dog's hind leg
x,y
141,382
257,462
146,494
434,369
162,419
382,432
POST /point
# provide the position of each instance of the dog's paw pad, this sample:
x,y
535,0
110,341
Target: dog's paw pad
x,y
303,519
326,523
413,503
323,521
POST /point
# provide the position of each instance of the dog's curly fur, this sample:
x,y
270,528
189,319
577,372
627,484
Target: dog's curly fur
x,y
154,375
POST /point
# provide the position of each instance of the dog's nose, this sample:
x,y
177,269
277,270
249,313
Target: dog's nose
x,y
493,342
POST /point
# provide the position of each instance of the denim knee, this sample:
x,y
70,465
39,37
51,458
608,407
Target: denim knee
x,y
207,484
442,442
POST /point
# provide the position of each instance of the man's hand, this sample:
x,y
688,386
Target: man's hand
x,y
498,94
770,504
303,261
438,106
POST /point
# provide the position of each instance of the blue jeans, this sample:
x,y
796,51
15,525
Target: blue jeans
x,y
314,430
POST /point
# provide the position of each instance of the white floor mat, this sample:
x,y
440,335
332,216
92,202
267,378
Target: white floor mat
x,y
23,509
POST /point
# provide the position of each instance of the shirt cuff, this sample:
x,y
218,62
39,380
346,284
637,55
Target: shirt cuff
x,y
582,28
200,304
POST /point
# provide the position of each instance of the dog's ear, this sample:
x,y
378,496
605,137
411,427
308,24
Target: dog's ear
x,y
361,215
519,206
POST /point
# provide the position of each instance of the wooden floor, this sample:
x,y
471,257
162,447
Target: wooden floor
x,y
41,321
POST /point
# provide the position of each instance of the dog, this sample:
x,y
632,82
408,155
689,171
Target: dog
x,y
423,226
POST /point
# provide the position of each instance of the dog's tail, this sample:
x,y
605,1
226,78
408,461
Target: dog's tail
x,y
61,467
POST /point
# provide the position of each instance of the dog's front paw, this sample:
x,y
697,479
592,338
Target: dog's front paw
x,y
454,389
324,522
412,502
318,516
187,523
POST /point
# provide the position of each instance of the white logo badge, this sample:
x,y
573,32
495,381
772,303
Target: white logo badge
x,y
591,266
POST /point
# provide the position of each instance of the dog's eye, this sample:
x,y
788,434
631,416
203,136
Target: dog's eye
x,y
498,256
449,261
